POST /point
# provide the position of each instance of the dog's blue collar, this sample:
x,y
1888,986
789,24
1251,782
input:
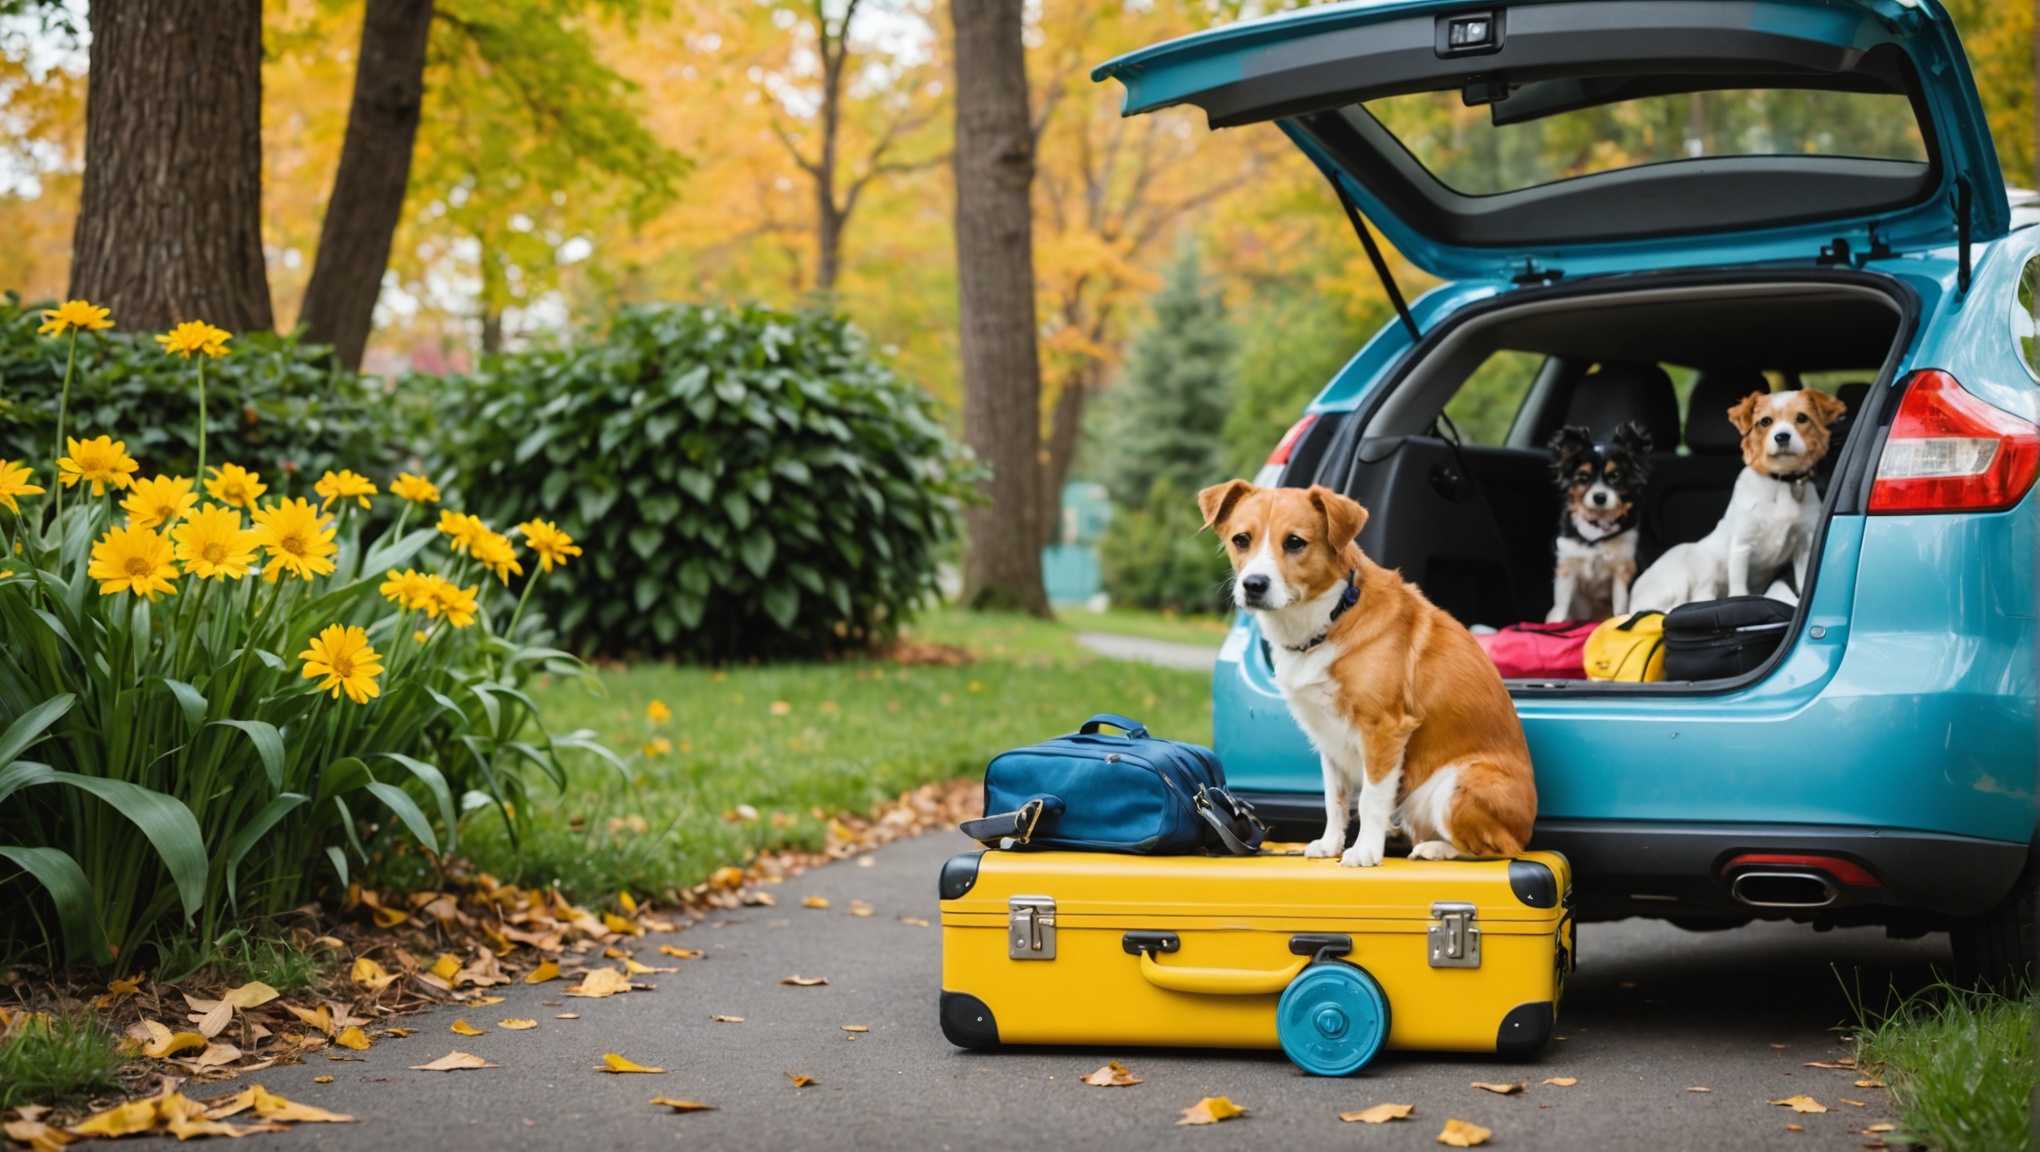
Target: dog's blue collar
x,y
1347,599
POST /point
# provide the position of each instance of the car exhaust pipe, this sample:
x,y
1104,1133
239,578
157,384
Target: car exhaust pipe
x,y
1781,889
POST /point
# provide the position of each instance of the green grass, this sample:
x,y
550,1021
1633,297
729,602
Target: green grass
x,y
1959,1065
45,1060
850,736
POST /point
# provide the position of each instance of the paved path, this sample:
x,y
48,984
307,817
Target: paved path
x,y
1167,653
1651,1011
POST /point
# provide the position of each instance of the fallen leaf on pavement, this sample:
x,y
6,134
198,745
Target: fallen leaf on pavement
x,y
683,1105
916,921
1795,1127
125,1120
1852,1103
270,1106
614,1063
855,1028
805,981
615,923
1881,1128
800,1081
1699,1089
185,1129
399,1033
566,1015
463,1028
1379,1114
544,972
1563,1081
1500,1089
636,969
1869,1083
516,1025
172,1044
321,1019
860,908
727,1019
368,972
1211,1110
1845,1065
484,1001
352,1037
815,902
1113,1075
681,953
1802,1104
446,967
1460,1134
601,982
322,1079
454,1062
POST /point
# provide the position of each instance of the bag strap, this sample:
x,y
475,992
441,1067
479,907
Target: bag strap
x,y
1134,729
1636,618
1017,826
1241,811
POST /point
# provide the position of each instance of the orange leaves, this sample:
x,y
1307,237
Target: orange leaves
x,y
455,1061
1802,1104
682,953
600,983
1379,1114
1211,1110
548,970
799,1080
352,1037
463,1028
815,902
1460,1134
1112,1075
614,1063
680,1106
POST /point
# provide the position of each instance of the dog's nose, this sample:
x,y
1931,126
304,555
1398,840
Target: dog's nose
x,y
1600,499
1256,586
1783,438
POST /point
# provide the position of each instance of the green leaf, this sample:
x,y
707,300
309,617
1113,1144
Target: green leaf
x,y
435,782
341,777
757,551
60,876
189,699
246,839
782,603
30,726
407,810
22,774
339,860
268,745
167,823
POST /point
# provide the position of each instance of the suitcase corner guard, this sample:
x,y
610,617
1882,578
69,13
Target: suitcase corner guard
x,y
1524,1030
967,1022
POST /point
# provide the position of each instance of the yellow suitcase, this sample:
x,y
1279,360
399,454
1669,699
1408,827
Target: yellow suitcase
x,y
1329,964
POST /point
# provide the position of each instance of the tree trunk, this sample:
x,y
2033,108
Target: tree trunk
x,y
995,288
368,190
170,217
1065,425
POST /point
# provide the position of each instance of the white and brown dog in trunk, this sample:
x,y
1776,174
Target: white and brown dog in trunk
x,y
1409,717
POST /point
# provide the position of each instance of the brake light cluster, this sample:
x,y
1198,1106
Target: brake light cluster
x,y
1950,452
1280,455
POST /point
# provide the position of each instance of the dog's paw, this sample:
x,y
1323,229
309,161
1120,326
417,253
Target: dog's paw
x,y
1434,850
1321,849
1362,856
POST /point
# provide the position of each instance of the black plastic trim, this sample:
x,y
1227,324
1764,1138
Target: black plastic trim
x,y
1526,1029
1533,883
1135,943
1323,945
967,1022
959,875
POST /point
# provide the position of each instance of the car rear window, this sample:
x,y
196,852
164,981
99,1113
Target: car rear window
x,y
1472,155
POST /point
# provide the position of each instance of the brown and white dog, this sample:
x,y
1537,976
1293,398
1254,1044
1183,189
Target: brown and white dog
x,y
1410,719
1767,533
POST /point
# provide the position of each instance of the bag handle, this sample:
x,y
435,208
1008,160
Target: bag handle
x,y
1206,802
1134,729
1017,826
1636,618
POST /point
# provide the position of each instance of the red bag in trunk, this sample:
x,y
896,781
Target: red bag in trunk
x,y
1540,651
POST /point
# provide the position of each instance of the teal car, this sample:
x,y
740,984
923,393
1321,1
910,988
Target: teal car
x,y
1642,212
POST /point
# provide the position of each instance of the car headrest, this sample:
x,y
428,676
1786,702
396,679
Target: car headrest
x,y
1709,432
1853,395
1621,391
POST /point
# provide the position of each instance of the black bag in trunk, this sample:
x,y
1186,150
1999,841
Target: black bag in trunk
x,y
1720,639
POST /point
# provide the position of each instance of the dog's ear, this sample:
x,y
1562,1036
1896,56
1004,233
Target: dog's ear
x,y
1826,409
1344,517
1632,438
1744,414
1566,445
1217,501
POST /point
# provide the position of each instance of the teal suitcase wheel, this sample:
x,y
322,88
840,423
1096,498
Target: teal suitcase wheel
x,y
1332,1019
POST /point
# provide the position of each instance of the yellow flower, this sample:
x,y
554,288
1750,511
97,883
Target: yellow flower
x,y
14,481
101,461
195,336
496,553
132,560
658,746
461,528
657,712
235,485
552,545
408,588
457,604
297,538
343,657
74,314
160,502
416,489
342,484
214,545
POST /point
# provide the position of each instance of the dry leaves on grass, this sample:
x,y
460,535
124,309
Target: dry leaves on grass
x,y
1802,1104
679,1106
455,1061
601,982
463,1028
1460,1134
1379,1114
1211,1110
805,981
799,1080
614,1063
1563,1081
1500,1089
1113,1075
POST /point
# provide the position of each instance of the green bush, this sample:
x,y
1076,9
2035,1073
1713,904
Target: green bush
x,y
1156,556
278,408
746,482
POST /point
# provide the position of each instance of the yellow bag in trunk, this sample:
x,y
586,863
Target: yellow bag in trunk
x,y
1628,648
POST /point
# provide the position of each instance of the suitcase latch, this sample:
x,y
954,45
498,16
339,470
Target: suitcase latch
x,y
1455,938
1030,927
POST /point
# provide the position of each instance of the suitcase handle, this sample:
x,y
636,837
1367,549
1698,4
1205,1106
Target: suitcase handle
x,y
1219,981
1134,729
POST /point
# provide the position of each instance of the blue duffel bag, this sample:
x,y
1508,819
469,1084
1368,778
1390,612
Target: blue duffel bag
x,y
1097,792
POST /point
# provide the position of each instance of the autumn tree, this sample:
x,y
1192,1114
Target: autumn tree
x,y
170,216
995,282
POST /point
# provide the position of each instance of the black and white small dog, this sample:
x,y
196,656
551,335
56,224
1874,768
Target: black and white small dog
x,y
1596,543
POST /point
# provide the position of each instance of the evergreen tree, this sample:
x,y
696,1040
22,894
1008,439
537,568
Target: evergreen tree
x,y
1165,418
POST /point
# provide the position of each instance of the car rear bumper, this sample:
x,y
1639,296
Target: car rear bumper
x,y
1670,871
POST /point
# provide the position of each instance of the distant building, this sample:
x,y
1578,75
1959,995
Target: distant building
x,y
1070,566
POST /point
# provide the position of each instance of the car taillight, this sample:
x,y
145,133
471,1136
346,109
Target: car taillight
x,y
1280,455
1950,452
